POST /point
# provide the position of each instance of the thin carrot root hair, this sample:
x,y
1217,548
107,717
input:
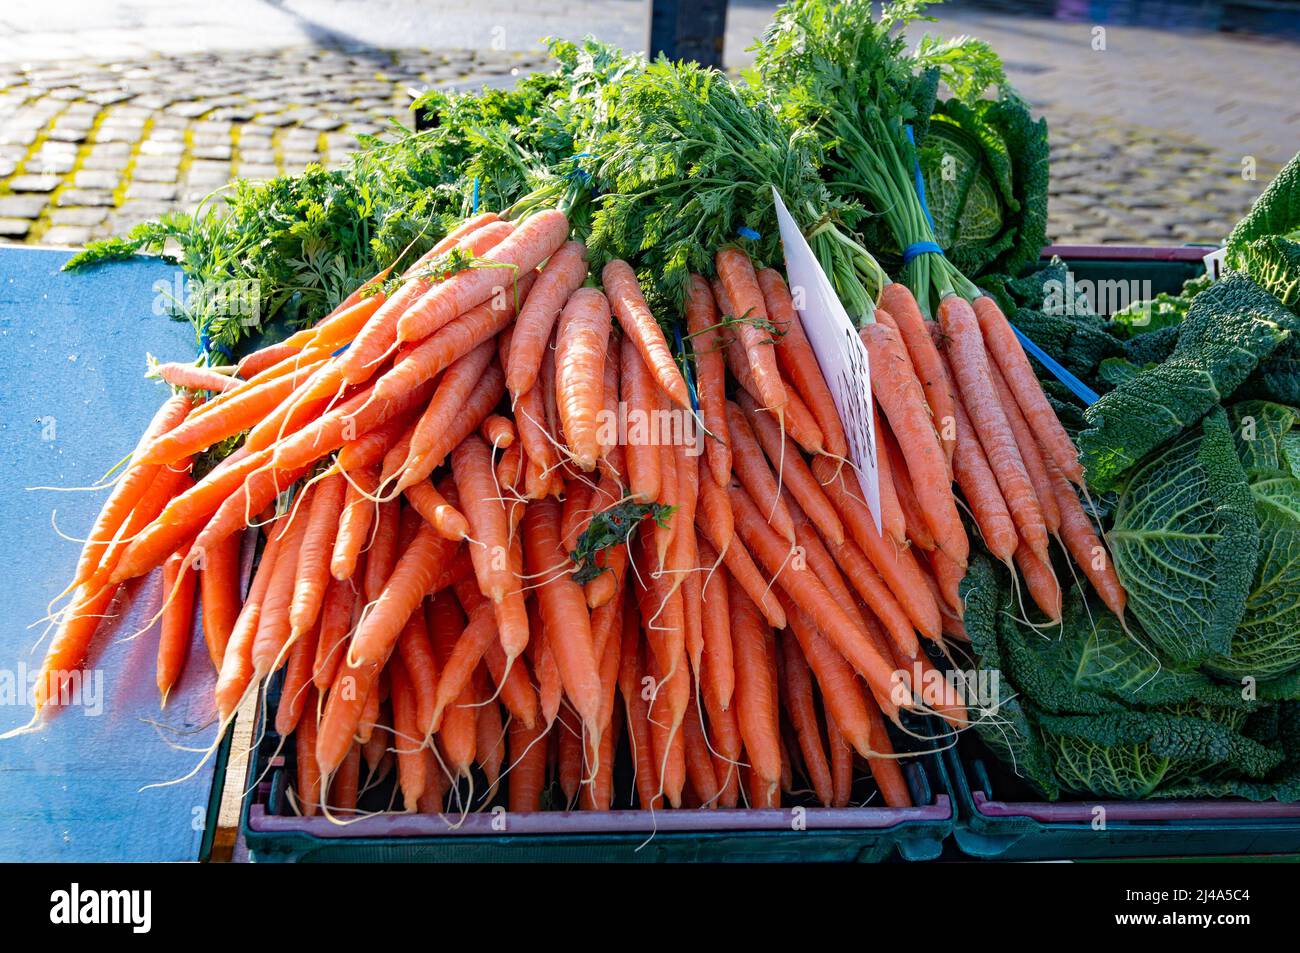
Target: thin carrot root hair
x,y
176,587
208,752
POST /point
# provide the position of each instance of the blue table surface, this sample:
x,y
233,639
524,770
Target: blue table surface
x,y
73,401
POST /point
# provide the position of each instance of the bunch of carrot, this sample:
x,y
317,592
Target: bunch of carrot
x,y
426,461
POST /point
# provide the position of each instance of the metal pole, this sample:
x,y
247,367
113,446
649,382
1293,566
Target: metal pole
x,y
688,30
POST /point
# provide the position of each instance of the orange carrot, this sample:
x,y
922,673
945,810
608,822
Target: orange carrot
x,y
1081,540
1030,454
317,548
892,521
560,278
436,511
755,694
177,621
640,398
798,362
894,385
194,378
354,522
297,681
918,530
1010,357
711,373
580,345
980,487
307,790
642,331
528,772
406,737
404,590
564,611
752,327
537,238
274,629
236,664
970,365
1040,581
219,593
795,475
896,298
382,555
477,405
797,692
755,475
335,625
498,431
841,755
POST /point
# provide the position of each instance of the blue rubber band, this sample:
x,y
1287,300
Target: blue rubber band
x,y
920,248
749,233
474,210
919,178
1076,386
688,371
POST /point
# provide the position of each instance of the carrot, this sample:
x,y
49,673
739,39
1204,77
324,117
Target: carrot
x,y
436,511
892,520
699,762
633,689
599,794
471,464
664,530
898,567
799,421
498,431
797,693
1030,454
383,329
274,629
480,402
568,739
549,690
219,593
382,555
755,475
1040,581
810,595
641,400
167,484
267,357
713,514
1081,540
354,522
375,446
561,277
421,664
970,365
317,548
983,495
723,729
297,681
407,737
564,612
344,709
516,691
1010,358
711,372
642,331
580,345
841,764
896,298
194,378
918,530
528,774
667,741
755,695
844,702
343,792
240,412
894,385
129,488
537,238
753,329
798,362
177,621
307,790
490,744
948,576
795,475
335,625
719,678
453,390
510,468
740,564
236,664
885,769
404,590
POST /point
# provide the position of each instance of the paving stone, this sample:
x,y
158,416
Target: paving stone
x,y
96,179
21,206
151,191
71,235
14,228
83,217
34,183
72,198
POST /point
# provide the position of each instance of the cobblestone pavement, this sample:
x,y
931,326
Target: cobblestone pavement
x,y
1158,136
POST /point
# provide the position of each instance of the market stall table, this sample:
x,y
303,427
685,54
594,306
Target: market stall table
x,y
73,401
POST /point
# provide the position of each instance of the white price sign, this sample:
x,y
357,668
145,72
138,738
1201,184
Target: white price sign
x,y
840,352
